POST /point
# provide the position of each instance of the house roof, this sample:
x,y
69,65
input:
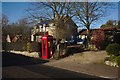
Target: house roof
x,y
47,22
40,33
84,31
109,28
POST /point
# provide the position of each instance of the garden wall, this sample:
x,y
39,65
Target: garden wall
x,y
19,46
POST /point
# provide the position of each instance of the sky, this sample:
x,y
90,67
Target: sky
x,y
17,10
59,0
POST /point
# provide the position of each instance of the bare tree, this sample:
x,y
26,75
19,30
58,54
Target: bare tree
x,y
4,23
55,11
119,24
19,28
89,12
58,12
0,20
4,20
24,29
110,24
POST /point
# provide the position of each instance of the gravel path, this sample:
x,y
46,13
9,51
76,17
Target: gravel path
x,y
86,57
87,62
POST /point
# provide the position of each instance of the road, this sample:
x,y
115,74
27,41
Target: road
x,y
19,66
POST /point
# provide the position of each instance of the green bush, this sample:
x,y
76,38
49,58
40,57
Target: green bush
x,y
28,47
118,61
113,49
110,58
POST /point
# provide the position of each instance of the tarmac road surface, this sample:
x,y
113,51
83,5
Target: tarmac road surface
x,y
19,66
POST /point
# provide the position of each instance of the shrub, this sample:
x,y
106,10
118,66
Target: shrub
x,y
118,60
92,47
98,38
28,47
113,49
37,47
110,58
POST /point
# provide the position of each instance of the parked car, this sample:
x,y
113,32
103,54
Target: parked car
x,y
80,41
73,41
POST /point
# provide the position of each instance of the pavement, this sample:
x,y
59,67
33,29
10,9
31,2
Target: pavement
x,y
100,70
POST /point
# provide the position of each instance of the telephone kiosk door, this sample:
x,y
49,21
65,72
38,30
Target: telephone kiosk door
x,y
47,42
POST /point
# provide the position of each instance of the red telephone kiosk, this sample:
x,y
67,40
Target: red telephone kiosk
x,y
47,48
